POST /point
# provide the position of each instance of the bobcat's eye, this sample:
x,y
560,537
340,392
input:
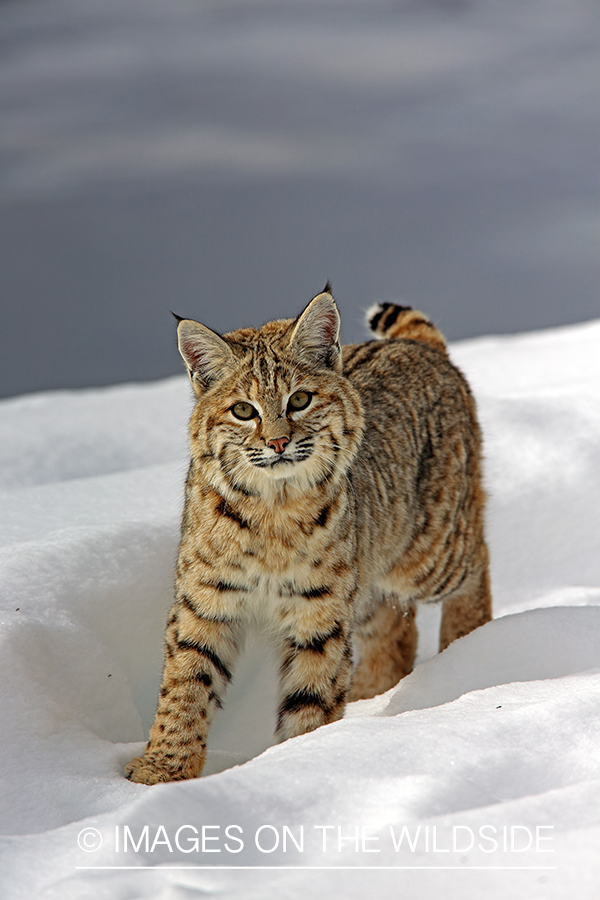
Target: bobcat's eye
x,y
299,400
244,411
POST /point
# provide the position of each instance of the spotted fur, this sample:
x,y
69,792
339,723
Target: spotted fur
x,y
326,523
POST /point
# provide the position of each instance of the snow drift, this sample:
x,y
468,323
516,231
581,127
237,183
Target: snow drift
x,y
478,775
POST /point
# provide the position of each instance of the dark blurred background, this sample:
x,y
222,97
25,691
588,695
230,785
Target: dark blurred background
x,y
224,158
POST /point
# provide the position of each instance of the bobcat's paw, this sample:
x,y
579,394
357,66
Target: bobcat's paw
x,y
149,770
146,771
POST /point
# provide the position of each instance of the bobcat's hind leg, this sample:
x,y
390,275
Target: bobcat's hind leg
x,y
466,610
386,644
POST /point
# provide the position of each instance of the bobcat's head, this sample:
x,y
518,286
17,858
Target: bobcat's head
x,y
273,406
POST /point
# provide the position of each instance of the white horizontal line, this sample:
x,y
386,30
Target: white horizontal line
x,y
327,868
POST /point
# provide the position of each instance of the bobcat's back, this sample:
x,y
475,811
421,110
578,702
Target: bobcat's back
x,y
418,471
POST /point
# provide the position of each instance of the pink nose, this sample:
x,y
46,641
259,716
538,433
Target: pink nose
x,y
278,444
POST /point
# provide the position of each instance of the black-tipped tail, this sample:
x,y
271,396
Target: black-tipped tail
x,y
384,315
389,320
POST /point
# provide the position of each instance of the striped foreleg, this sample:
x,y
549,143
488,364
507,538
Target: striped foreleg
x,y
315,675
200,652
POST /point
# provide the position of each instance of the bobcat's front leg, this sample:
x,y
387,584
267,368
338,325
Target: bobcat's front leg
x,y
316,666
200,652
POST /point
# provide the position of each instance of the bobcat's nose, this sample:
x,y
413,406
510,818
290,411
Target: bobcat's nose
x,y
278,444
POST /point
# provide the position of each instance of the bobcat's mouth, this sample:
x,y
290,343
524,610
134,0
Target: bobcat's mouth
x,y
299,453
283,459
274,461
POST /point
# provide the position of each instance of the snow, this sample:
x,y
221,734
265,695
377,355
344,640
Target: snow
x,y
488,755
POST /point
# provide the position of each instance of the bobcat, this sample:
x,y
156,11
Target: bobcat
x,y
329,490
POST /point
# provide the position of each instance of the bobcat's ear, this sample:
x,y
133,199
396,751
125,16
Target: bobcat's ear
x,y
316,334
204,352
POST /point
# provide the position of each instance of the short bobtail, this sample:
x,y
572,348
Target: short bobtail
x,y
389,320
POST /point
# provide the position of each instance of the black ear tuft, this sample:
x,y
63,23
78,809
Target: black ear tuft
x,y
327,288
175,316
